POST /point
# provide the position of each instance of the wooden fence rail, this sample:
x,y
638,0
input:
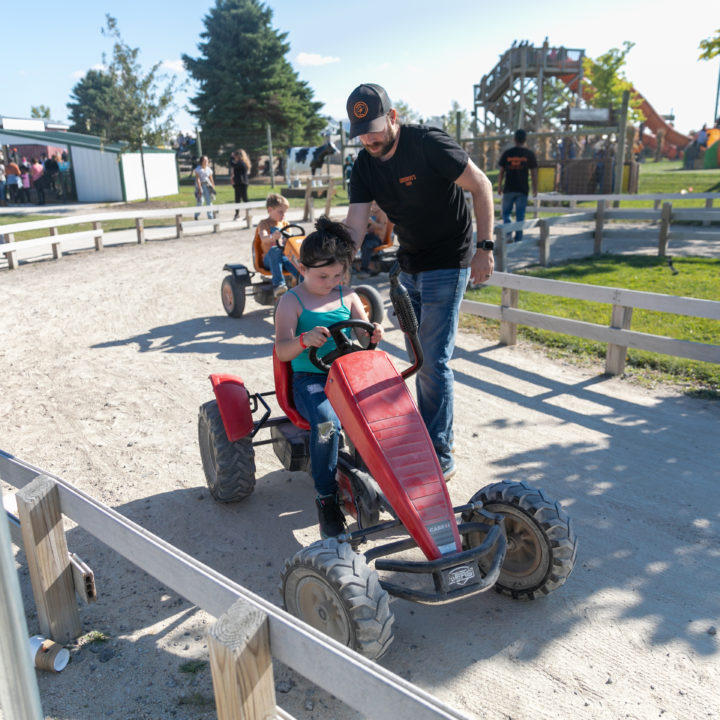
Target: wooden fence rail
x,y
357,681
618,336
664,219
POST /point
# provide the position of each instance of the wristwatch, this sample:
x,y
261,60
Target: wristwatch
x,y
485,245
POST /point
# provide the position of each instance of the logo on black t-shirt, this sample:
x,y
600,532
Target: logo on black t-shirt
x,y
408,180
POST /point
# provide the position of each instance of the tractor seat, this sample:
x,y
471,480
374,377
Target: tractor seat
x,y
282,372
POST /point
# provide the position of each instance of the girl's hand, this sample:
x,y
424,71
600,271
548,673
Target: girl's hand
x,y
316,337
377,334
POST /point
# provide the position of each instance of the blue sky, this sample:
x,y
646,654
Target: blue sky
x,y
421,56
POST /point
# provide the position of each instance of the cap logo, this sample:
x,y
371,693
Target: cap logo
x,y
360,110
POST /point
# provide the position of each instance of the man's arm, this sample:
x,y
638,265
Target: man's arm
x,y
477,184
356,222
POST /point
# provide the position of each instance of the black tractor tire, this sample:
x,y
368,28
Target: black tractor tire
x,y
331,587
229,466
233,297
372,302
542,545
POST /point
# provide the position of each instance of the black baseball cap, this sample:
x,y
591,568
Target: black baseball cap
x,y
367,107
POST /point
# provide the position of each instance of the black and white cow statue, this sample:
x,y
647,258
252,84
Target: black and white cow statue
x,y
307,159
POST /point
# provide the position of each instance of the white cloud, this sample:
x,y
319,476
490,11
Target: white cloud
x,y
176,66
315,59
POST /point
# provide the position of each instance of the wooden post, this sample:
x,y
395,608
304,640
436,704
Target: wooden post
x,y
178,226
665,217
544,243
48,561
10,257
248,218
241,664
330,194
57,254
599,224
140,227
19,696
309,209
500,254
617,354
708,206
97,225
508,330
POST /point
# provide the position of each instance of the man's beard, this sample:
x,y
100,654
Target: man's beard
x,y
380,149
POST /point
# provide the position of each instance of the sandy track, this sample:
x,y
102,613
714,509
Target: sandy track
x,y
105,360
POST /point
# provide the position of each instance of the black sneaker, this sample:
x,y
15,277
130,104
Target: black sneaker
x,y
330,517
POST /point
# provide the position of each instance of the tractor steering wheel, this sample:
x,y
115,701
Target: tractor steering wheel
x,y
343,342
287,235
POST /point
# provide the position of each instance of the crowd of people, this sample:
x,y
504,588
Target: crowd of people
x,y
25,181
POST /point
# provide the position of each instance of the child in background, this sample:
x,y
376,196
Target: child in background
x,y
273,255
24,186
301,321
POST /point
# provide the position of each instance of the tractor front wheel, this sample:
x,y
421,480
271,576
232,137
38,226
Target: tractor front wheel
x,y
542,544
233,296
330,586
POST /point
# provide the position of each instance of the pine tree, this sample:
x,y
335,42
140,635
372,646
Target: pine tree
x,y
245,82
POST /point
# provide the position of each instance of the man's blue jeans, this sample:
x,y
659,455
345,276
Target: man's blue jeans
x,y
519,200
312,403
275,261
436,297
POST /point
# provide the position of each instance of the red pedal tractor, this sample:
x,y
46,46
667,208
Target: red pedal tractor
x,y
239,283
508,536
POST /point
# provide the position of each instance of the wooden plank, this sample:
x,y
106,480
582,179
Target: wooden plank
x,y
500,251
353,679
98,236
140,230
709,309
631,214
544,243
19,695
687,234
571,218
628,338
697,214
241,664
83,579
47,558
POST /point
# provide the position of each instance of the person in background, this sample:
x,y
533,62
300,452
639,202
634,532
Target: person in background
x,y
204,185
240,176
3,200
12,178
24,187
515,164
36,173
274,258
377,226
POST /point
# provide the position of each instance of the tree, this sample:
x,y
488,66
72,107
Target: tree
x,y
40,111
245,82
406,113
465,120
606,82
94,106
121,104
711,48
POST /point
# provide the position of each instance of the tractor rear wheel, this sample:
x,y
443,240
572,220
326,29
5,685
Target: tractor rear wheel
x,y
542,544
372,302
233,297
229,466
331,587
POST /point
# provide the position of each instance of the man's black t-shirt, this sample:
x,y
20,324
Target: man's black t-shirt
x,y
517,161
416,189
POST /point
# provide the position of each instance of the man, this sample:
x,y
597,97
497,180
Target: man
x,y
418,175
514,166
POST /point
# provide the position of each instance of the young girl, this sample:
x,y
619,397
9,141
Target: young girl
x,y
301,321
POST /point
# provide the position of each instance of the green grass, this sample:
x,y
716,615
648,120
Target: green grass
x,y
697,277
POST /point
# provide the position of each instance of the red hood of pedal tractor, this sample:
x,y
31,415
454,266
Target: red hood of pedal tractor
x,y
381,419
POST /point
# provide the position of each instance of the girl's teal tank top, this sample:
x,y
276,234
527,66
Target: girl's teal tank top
x,y
307,321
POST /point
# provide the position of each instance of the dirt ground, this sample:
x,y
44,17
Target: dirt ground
x,y
105,359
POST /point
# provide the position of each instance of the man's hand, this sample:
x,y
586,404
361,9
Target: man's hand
x,y
482,266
